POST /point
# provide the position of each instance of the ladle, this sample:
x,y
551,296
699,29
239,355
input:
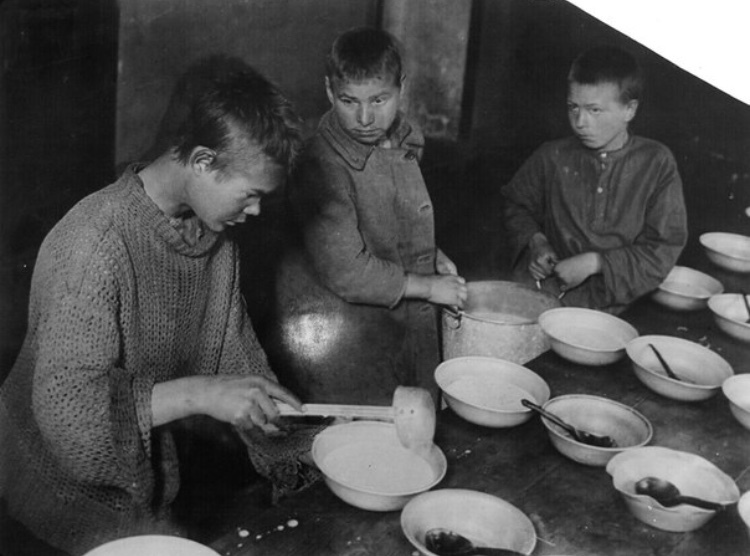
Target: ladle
x,y
668,495
445,542
412,411
577,434
670,372
743,293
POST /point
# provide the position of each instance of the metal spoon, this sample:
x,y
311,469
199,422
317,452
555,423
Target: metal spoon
x,y
743,293
445,542
668,495
670,372
577,434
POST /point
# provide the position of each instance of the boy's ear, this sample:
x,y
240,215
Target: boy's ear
x,y
202,158
329,90
632,108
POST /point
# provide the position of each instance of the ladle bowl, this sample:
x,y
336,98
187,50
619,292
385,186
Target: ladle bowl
x,y
668,495
691,474
445,542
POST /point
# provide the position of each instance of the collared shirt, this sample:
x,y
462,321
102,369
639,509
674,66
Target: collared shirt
x,y
627,205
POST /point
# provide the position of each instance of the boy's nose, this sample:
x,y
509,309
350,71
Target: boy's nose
x,y
364,116
580,119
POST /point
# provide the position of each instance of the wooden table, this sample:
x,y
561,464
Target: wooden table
x,y
574,508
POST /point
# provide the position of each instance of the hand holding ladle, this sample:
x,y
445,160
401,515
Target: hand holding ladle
x,y
445,542
668,495
577,434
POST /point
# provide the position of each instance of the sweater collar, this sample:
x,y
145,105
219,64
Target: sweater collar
x,y
161,221
403,135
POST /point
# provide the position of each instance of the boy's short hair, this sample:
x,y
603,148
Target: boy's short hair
x,y
239,114
609,64
365,53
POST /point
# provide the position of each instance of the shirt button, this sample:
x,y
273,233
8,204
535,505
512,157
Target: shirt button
x,y
599,190
410,155
424,259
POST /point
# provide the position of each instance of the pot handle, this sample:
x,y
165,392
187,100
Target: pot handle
x,y
456,314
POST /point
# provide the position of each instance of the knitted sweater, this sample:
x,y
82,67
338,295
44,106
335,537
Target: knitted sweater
x,y
119,302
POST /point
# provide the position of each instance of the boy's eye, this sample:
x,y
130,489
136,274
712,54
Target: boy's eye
x,y
378,101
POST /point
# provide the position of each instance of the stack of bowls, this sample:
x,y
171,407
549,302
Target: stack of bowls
x,y
586,336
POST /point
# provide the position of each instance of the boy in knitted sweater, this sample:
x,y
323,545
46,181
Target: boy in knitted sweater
x,y
136,320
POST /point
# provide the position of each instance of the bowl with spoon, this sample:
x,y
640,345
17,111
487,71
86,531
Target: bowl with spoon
x,y
670,489
462,521
677,368
591,429
732,314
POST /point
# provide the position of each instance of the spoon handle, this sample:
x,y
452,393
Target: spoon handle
x,y
664,363
700,503
552,417
743,293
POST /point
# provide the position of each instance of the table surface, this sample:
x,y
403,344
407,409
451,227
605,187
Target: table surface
x,y
574,508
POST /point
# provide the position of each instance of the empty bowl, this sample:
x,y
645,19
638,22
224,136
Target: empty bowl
x,y
686,289
488,391
701,370
727,250
730,315
586,336
152,545
486,520
365,464
737,390
690,473
597,415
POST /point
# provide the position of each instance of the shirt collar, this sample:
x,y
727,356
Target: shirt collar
x,y
355,153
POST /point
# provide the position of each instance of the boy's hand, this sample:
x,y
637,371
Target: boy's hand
x,y
574,270
245,401
542,258
448,290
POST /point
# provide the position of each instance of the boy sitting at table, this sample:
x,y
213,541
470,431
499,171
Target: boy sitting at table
x,y
599,216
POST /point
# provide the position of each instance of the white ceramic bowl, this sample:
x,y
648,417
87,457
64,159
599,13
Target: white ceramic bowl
x,y
488,391
597,415
364,464
737,390
730,315
702,370
586,336
743,508
690,473
152,545
686,289
486,520
727,250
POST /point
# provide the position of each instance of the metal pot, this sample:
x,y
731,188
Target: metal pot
x,y
500,319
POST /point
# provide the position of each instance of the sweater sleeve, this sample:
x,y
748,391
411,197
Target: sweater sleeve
x,y
94,416
524,204
633,270
322,198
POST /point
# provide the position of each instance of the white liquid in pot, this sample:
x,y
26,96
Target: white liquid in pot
x,y
381,468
